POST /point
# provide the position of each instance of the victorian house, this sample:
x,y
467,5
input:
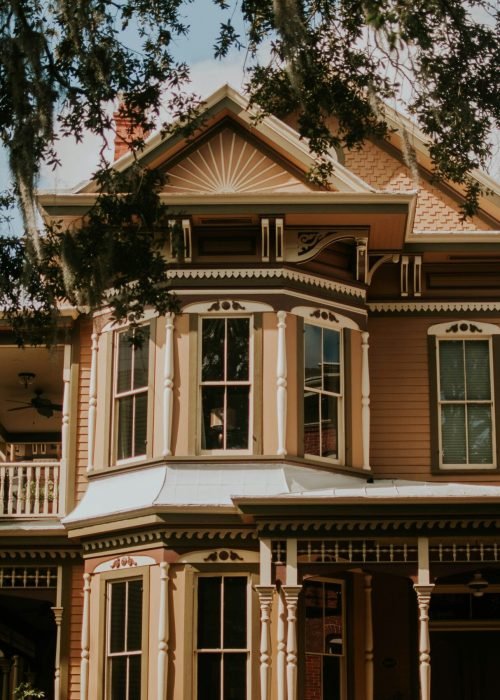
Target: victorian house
x,y
290,490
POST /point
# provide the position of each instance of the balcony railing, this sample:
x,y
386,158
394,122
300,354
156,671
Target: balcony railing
x,y
29,489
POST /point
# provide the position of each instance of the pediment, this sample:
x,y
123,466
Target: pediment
x,y
227,163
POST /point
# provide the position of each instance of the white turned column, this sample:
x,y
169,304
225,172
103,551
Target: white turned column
x,y
281,384
291,598
163,632
58,613
281,649
424,643
265,594
92,418
84,666
365,399
168,385
368,638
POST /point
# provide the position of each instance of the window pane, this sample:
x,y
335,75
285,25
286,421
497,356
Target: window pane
x,y
238,335
141,424
235,612
331,361
134,677
313,602
451,370
333,619
212,428
237,417
117,591
141,359
124,370
118,680
477,363
329,426
209,601
331,678
125,426
453,434
312,356
212,349
209,676
134,616
311,424
479,434
235,677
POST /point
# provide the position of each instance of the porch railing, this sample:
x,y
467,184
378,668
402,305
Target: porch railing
x,y
29,489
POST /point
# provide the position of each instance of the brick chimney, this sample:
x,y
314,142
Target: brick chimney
x,y
125,132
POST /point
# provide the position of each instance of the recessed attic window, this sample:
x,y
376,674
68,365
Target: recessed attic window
x,y
227,242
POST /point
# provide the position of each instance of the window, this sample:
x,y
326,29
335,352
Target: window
x,y
324,642
131,393
124,639
465,402
222,638
322,391
225,383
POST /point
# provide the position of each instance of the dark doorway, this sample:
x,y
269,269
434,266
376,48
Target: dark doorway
x,y
465,665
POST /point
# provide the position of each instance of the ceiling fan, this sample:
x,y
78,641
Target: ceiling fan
x,y
44,407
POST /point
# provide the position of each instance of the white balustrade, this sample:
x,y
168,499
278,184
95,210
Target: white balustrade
x,y
29,488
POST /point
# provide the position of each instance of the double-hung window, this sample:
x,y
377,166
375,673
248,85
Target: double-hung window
x,y
131,393
225,383
124,639
322,391
222,638
465,402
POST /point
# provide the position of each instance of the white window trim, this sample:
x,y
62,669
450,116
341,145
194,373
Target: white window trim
x,y
249,624
341,438
149,391
250,383
465,330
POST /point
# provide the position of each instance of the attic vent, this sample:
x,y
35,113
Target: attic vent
x,y
235,221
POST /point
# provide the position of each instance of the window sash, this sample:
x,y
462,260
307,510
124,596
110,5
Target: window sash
x,y
225,388
323,417
131,395
215,661
465,405
124,638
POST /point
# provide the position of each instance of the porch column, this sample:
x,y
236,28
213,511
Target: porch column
x,y
163,632
291,598
365,399
4,670
266,600
84,666
58,613
168,384
424,645
92,417
281,648
368,638
281,384
60,489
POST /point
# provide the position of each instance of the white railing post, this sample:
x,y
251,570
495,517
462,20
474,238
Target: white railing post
x,y
59,506
163,633
85,655
281,649
281,384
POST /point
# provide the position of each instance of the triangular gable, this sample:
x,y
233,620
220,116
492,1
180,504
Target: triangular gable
x,y
229,163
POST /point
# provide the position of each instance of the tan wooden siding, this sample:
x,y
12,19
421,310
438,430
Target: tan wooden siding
x,y
82,411
75,633
400,439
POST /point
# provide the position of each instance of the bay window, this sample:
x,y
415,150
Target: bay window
x,y
124,639
322,391
225,383
131,393
222,646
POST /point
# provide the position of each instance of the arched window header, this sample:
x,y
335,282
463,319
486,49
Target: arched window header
x,y
325,317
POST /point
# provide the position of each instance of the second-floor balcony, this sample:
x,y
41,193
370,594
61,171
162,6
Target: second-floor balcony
x,y
31,437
